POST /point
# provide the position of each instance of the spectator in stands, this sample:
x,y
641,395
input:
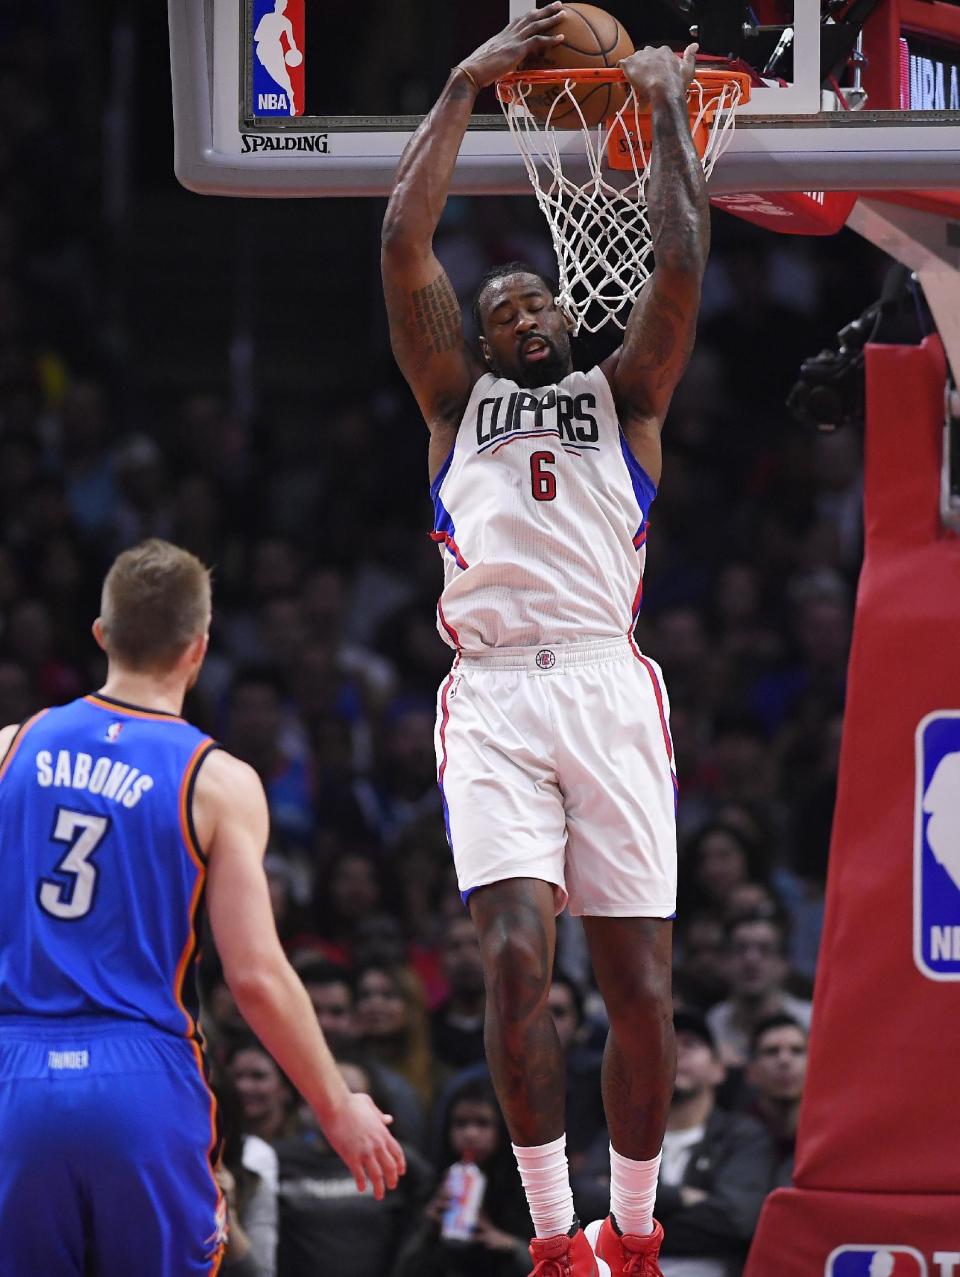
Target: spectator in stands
x,y
238,1256
253,733
330,990
286,874
32,642
700,964
758,969
144,506
326,1225
87,464
267,1100
394,1028
403,787
223,1026
746,770
457,1025
718,858
250,1175
776,1073
474,1131
742,626
756,898
353,885
715,1170
821,630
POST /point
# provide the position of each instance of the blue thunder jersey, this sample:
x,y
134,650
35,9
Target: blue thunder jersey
x,y
101,877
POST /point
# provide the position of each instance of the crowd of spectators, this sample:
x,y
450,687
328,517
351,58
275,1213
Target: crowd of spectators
x,y
322,673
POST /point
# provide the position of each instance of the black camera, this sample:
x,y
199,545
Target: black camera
x,y
830,390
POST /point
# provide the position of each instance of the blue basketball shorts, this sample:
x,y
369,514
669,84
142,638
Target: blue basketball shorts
x,y
107,1132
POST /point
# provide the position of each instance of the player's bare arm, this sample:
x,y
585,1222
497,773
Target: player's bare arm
x,y
231,817
661,329
426,329
6,739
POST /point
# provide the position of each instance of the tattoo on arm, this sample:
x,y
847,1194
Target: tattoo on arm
x,y
663,331
436,314
677,198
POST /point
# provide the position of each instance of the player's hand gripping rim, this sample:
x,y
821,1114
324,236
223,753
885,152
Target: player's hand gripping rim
x,y
657,73
358,1133
525,36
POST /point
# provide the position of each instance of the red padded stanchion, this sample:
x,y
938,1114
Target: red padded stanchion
x,y
877,1177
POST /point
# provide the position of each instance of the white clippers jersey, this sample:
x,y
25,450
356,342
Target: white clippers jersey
x,y
540,512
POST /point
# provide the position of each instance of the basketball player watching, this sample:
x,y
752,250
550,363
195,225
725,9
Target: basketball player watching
x,y
554,755
117,820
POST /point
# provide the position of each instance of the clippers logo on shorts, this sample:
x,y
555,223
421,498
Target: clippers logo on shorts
x,y
936,877
875,1261
277,57
545,659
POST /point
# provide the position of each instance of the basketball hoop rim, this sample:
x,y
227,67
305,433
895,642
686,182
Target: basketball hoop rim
x,y
710,80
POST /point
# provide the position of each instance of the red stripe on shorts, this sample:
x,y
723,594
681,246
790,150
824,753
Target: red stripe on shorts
x,y
444,719
447,626
659,695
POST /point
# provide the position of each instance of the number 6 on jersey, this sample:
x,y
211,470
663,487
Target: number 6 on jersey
x,y
83,832
543,482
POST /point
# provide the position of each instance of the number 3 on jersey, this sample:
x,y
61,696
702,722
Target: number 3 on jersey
x,y
83,832
543,483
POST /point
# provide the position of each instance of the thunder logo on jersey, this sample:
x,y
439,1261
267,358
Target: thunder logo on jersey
x,y
876,1261
115,780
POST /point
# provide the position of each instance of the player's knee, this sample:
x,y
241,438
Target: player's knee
x,y
642,1000
517,969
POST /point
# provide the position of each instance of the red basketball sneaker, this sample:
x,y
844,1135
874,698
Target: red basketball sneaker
x,y
565,1256
628,1256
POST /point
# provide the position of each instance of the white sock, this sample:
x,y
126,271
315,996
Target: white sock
x,y
633,1190
546,1182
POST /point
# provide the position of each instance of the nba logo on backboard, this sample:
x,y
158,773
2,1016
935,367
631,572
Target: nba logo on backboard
x,y
277,57
936,874
875,1261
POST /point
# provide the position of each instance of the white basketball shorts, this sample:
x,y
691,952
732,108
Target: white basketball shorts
x,y
556,763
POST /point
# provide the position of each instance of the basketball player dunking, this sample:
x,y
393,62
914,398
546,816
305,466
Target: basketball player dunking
x,y
117,819
554,753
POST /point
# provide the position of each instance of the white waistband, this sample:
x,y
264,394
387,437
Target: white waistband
x,y
550,659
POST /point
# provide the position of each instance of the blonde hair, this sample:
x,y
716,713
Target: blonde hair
x,y
155,602
411,1056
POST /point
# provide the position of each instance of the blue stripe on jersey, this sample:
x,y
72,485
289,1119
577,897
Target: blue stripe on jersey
x,y
444,531
101,880
442,474
644,488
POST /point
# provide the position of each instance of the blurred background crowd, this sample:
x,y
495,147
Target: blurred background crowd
x,y
217,373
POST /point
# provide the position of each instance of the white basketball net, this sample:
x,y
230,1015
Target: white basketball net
x,y
600,231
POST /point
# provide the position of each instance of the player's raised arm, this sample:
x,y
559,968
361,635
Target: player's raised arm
x,y
661,329
426,330
230,812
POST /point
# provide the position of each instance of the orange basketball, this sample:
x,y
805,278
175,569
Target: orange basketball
x,y
592,38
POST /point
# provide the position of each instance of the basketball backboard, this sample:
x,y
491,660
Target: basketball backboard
x,y
363,82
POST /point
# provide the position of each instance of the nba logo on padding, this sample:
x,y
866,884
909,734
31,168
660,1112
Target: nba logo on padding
x,y
277,57
936,881
875,1261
